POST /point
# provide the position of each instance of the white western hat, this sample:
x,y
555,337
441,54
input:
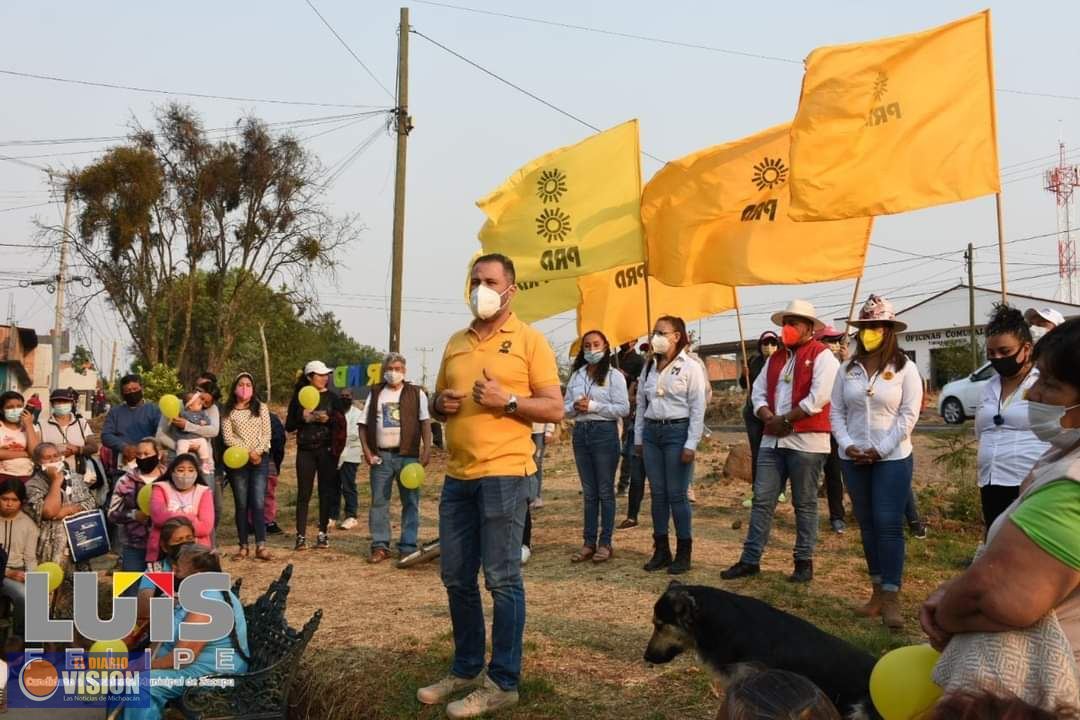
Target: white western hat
x,y
798,308
317,367
1048,314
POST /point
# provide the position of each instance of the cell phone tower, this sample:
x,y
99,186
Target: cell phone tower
x,y
1062,180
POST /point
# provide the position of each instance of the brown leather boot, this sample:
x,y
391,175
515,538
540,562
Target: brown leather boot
x,y
890,609
872,608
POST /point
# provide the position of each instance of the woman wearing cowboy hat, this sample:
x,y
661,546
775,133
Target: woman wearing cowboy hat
x,y
875,404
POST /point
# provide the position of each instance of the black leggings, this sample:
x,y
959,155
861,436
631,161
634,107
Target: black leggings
x,y
995,500
310,463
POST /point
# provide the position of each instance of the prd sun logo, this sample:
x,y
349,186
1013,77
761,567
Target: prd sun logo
x,y
553,224
881,86
769,173
551,185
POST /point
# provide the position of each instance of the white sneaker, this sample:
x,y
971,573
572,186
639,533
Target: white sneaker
x,y
487,698
443,690
349,523
526,553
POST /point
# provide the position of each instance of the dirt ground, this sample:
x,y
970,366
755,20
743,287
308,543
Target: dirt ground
x,y
386,631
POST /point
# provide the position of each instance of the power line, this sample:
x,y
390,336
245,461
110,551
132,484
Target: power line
x,y
350,50
522,90
155,91
613,33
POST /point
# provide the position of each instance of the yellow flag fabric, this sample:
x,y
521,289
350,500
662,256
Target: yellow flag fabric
x,y
536,300
720,215
614,302
896,124
571,212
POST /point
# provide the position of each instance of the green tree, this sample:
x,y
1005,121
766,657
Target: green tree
x,y
81,359
954,361
160,380
173,222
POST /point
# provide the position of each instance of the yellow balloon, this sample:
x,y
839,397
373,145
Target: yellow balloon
x,y
170,406
412,475
901,683
143,498
114,646
309,397
236,457
56,574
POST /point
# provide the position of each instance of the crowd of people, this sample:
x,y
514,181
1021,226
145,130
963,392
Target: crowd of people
x,y
828,412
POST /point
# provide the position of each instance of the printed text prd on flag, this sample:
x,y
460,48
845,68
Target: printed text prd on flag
x,y
571,212
896,124
720,215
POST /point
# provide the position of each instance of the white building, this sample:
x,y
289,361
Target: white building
x,y
942,320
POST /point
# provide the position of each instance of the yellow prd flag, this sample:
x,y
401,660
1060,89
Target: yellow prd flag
x,y
614,302
720,215
570,212
896,124
536,300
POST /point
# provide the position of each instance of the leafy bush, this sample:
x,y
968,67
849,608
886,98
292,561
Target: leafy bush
x,y
160,380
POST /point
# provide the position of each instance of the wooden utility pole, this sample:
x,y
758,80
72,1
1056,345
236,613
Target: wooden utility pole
x,y
61,279
403,125
266,359
112,366
969,256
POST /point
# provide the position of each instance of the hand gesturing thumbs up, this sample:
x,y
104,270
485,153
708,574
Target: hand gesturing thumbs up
x,y
488,393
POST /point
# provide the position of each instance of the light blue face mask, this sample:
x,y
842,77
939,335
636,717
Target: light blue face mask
x,y
593,357
13,415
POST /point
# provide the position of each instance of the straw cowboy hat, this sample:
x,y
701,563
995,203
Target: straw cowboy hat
x,y
798,308
877,309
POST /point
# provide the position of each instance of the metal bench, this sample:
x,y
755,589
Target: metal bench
x,y
261,693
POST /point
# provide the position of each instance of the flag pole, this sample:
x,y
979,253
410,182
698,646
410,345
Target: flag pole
x,y
1001,251
854,299
742,339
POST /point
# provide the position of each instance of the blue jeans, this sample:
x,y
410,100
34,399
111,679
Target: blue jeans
x,y
383,477
879,491
347,473
668,476
16,592
803,470
539,442
480,525
249,492
596,452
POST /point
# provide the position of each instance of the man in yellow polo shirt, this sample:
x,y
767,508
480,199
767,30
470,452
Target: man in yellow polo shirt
x,y
498,376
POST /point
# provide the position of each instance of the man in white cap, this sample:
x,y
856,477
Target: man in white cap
x,y
1042,321
791,396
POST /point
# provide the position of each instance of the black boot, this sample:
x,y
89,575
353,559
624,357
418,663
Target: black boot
x,y
804,571
740,570
682,556
661,556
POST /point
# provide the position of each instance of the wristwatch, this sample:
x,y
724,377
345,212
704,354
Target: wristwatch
x,y
511,405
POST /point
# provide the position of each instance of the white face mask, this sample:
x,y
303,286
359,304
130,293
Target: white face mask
x,y
183,482
1045,421
485,303
393,377
58,466
660,344
1037,333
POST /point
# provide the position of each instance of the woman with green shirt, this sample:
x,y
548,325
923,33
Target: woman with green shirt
x,y
1011,622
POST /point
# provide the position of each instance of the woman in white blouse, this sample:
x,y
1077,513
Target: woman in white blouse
x,y
596,400
667,428
875,404
1008,448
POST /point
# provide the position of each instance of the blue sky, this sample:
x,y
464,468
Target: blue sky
x,y
471,131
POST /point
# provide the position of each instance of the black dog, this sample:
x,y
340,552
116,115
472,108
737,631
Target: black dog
x,y
736,635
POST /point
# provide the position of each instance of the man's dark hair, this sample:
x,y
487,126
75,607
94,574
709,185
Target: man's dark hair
x,y
1059,353
507,263
130,378
1007,320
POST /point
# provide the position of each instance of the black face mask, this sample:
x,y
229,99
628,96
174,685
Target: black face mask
x,y
174,551
133,398
1007,366
146,465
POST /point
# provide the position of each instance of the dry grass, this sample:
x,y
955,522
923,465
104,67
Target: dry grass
x,y
386,631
